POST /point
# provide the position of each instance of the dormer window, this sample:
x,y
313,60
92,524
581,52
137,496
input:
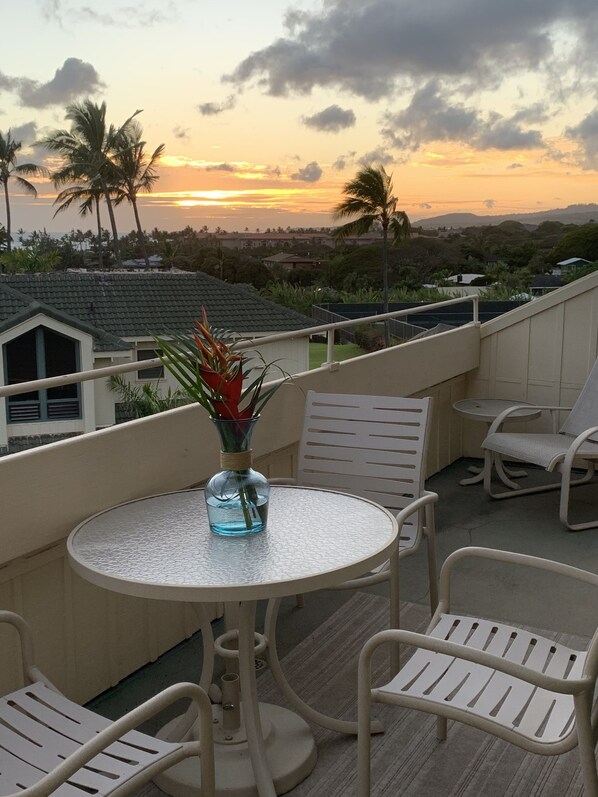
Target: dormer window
x,y
38,354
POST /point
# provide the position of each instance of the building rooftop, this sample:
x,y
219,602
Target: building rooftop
x,y
139,305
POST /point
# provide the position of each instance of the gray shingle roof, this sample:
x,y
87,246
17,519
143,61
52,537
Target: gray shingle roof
x,y
138,305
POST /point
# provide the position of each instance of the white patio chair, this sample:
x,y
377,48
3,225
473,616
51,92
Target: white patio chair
x,y
507,681
575,445
374,447
50,745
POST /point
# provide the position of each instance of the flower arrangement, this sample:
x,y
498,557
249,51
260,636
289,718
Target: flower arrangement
x,y
212,373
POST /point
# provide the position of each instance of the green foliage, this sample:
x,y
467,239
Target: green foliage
x,y
577,242
369,337
142,400
299,298
578,273
28,261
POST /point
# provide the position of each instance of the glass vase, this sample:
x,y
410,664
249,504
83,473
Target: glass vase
x,y
237,496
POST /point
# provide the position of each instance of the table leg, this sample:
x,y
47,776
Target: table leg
x,y
255,734
268,753
298,704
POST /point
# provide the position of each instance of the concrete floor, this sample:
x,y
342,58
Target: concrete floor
x,y
465,516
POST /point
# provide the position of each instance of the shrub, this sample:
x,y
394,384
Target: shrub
x,y
369,338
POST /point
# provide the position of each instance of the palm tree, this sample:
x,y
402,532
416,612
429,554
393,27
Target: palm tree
x,y
9,168
89,197
135,171
88,148
369,195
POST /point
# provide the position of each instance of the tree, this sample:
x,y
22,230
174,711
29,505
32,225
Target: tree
x,y
9,168
369,195
88,148
135,172
89,202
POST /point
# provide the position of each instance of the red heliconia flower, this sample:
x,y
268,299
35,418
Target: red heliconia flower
x,y
212,373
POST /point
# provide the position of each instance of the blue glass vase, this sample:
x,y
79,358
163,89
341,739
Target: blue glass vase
x,y
237,496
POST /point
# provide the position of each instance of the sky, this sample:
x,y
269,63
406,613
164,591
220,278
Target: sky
x,y
268,109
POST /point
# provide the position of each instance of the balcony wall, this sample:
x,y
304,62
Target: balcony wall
x,y
540,352
88,638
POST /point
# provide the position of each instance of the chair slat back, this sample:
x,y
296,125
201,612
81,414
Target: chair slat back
x,y
371,446
585,410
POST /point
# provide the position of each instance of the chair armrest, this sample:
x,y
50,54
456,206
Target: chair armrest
x,y
30,671
504,415
127,723
509,557
564,686
426,498
576,445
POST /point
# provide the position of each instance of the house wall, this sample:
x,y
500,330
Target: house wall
x,y
540,352
90,638
86,423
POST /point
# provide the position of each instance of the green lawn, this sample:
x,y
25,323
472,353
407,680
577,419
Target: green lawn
x,y
342,351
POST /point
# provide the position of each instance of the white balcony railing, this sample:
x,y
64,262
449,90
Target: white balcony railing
x,y
324,329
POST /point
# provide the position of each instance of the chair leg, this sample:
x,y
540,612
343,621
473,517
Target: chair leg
x,y
566,484
430,531
586,743
441,728
364,707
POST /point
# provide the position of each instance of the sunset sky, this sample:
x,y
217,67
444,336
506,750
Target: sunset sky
x,y
267,108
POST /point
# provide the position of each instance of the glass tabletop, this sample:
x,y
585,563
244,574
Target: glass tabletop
x,y
162,547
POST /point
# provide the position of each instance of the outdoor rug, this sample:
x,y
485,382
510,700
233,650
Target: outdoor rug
x,y
407,759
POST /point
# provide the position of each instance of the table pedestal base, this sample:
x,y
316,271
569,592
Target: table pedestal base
x,y
290,751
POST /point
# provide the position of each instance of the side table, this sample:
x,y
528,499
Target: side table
x,y
486,410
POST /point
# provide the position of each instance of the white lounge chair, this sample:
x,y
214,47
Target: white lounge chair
x,y
505,680
374,447
50,745
573,446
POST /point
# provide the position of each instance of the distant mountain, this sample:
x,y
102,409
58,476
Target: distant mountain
x,y
572,214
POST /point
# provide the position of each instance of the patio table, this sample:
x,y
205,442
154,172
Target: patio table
x,y
486,410
161,547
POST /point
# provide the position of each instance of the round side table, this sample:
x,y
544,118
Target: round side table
x,y
486,410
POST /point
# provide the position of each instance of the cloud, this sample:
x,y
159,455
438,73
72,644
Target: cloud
x,y
121,16
378,156
220,167
73,79
331,119
182,133
585,135
342,161
432,116
425,205
309,174
26,133
489,203
214,108
371,47
515,166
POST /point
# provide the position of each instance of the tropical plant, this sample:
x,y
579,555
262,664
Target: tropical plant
x,y
369,196
135,171
9,168
87,149
28,260
142,400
